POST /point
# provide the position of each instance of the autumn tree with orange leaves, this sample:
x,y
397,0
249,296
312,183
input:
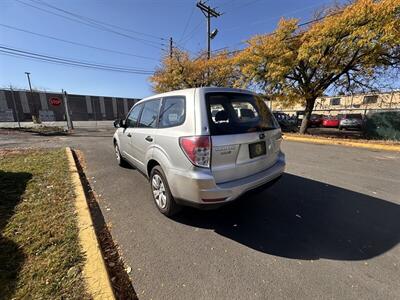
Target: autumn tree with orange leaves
x,y
347,47
350,47
181,72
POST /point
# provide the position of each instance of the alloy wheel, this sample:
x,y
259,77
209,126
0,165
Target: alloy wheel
x,y
159,192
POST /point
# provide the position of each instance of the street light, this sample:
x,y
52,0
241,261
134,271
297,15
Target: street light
x,y
213,34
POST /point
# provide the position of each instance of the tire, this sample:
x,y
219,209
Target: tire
x,y
120,160
162,196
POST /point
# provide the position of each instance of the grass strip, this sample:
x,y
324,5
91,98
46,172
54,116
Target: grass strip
x,y
40,130
40,256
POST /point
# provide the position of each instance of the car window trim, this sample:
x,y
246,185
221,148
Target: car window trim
x,y
162,106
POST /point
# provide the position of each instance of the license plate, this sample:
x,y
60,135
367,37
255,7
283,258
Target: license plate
x,y
257,149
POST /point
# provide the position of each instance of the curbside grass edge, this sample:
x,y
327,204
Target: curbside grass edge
x,y
94,270
371,146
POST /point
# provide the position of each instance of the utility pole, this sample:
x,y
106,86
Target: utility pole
x,y
171,47
15,106
208,12
35,115
69,121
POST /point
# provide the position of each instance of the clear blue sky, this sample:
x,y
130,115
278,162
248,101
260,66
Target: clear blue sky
x,y
163,18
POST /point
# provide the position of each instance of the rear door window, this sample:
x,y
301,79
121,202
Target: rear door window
x,y
234,113
149,116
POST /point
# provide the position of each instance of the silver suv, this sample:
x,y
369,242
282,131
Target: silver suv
x,y
201,147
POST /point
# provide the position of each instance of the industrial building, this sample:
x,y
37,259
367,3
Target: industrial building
x,y
357,103
20,105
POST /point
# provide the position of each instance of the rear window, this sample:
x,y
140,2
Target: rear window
x,y
354,116
233,113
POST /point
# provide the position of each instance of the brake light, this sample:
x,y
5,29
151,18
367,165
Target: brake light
x,y
197,149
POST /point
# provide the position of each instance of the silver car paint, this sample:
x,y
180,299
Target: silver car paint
x,y
231,174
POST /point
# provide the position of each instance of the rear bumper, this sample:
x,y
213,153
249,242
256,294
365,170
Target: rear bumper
x,y
193,188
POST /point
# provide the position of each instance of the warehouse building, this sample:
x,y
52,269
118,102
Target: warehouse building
x,y
21,105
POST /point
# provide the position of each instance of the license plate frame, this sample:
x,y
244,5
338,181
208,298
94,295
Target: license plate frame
x,y
257,149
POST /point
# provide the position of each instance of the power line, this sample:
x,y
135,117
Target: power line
x,y
191,33
245,4
66,59
272,18
97,21
27,57
76,43
97,26
77,63
299,25
187,23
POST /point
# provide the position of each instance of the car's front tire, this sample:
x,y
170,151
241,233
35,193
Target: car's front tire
x,y
161,193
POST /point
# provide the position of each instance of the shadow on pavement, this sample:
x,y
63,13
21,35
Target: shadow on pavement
x,y
12,187
305,219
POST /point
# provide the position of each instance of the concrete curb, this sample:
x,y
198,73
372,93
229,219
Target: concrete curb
x,y
94,270
372,146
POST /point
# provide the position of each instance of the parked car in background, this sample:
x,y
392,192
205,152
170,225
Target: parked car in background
x,y
286,123
351,121
202,147
330,121
315,120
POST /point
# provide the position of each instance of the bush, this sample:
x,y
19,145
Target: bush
x,y
383,125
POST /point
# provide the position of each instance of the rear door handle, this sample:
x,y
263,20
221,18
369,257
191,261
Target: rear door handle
x,y
148,138
129,135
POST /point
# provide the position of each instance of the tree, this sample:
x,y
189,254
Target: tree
x,y
181,72
346,48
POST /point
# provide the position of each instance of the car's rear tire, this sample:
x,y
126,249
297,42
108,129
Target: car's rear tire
x,y
120,160
162,194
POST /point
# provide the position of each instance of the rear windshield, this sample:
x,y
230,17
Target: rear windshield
x,y
233,113
354,116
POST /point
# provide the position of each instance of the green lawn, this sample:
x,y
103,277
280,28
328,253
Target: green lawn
x,y
40,256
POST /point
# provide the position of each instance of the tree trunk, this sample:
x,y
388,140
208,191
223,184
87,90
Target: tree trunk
x,y
307,114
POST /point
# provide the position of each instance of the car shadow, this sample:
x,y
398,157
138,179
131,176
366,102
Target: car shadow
x,y
12,187
305,219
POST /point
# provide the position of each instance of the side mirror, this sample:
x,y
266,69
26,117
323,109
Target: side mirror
x,y
119,123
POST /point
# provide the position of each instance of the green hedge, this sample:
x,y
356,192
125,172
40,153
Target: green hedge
x,y
383,125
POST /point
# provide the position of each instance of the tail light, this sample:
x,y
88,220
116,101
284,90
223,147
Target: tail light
x,y
197,149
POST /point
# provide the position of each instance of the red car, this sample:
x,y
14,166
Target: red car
x,y
331,121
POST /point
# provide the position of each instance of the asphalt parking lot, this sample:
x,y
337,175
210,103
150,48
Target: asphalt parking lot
x,y
329,229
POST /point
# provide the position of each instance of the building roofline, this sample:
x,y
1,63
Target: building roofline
x,y
53,92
